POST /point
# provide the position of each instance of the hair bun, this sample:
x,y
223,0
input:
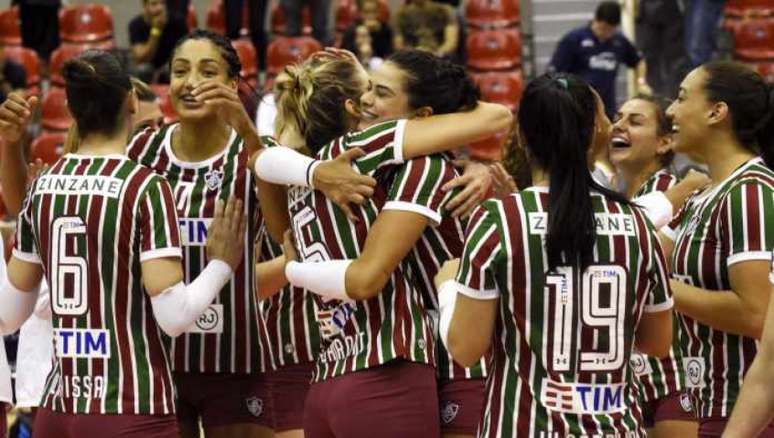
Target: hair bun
x,y
78,72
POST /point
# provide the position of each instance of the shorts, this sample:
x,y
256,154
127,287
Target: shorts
x,y
3,420
462,404
288,387
397,399
223,399
674,407
713,427
50,424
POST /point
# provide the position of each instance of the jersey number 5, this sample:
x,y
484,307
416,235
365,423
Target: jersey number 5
x,y
587,335
67,269
310,251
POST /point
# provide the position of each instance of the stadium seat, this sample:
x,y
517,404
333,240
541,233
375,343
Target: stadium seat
x,y
491,13
29,60
490,148
754,39
498,49
48,147
765,69
216,19
347,12
501,87
170,116
249,60
10,27
192,20
749,8
58,57
278,20
55,115
85,23
286,50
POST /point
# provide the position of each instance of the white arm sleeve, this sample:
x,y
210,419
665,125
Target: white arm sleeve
x,y
16,307
447,300
180,306
656,207
285,166
327,279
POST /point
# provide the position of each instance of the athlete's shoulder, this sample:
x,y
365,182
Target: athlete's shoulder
x,y
145,142
755,172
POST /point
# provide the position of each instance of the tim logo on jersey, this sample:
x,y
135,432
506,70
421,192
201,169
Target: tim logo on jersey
x,y
583,398
82,343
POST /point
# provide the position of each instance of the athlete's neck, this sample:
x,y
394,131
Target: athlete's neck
x,y
101,144
200,140
634,176
540,177
723,155
290,137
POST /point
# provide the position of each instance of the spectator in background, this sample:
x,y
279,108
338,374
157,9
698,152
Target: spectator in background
x,y
660,34
39,25
701,22
369,38
12,76
320,10
594,52
427,25
153,35
256,12
178,7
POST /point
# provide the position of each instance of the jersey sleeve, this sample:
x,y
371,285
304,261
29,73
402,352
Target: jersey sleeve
x,y
417,187
382,144
139,143
25,247
476,274
659,291
745,226
159,232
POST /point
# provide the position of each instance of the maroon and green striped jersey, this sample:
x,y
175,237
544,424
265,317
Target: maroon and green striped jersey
x,y
439,243
563,339
658,378
393,325
292,335
226,337
90,221
729,223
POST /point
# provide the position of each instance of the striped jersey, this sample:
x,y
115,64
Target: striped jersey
x,y
394,324
226,337
436,245
292,335
658,378
729,223
563,339
90,221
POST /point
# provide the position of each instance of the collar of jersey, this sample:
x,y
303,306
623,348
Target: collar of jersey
x,y
78,156
706,194
167,144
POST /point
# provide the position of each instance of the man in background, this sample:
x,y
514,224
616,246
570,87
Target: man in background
x,y
152,35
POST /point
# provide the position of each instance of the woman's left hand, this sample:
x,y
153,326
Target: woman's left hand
x,y
475,181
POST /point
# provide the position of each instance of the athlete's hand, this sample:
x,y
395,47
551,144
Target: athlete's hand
x,y
15,114
694,180
226,234
447,272
475,181
33,170
289,247
342,184
225,102
504,184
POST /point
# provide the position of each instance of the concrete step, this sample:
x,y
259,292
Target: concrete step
x,y
550,7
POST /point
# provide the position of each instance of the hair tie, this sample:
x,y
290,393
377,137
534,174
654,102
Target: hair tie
x,y
562,82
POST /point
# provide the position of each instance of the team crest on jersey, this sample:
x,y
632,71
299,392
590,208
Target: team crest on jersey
x,y
213,178
694,371
449,412
640,364
685,402
254,406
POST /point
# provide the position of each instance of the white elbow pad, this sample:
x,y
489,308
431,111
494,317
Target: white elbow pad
x,y
656,207
327,279
285,166
447,299
179,306
17,305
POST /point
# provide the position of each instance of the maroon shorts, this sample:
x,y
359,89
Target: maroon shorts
x,y
713,427
674,407
223,399
288,387
50,424
3,420
462,404
397,399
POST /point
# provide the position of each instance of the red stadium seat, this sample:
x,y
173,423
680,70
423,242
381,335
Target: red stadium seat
x,y
347,12
48,147
501,87
765,69
749,8
754,39
58,57
10,27
498,49
29,60
490,148
170,115
192,20
287,50
55,115
216,18
85,23
248,58
491,13
278,20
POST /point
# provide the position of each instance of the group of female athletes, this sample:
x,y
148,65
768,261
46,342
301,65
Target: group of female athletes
x,y
331,280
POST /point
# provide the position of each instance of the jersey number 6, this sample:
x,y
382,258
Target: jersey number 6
x,y
66,269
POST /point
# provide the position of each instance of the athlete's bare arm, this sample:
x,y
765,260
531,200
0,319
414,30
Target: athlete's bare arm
x,y
15,114
741,310
654,333
754,409
270,277
471,329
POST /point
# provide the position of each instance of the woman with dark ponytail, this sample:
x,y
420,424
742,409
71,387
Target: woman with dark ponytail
x,y
562,280
724,235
